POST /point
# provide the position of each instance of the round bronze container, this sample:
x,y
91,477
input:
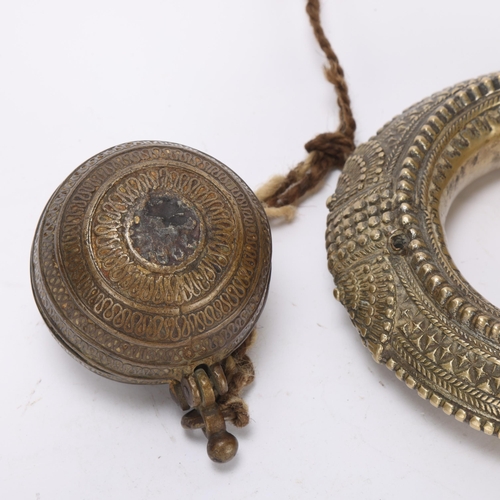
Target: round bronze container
x,y
151,260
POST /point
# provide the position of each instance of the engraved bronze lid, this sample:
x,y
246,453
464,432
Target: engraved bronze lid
x,y
151,260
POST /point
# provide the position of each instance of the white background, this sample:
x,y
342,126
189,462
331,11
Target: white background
x,y
241,81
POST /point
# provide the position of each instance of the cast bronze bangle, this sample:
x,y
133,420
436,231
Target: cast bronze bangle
x,y
387,250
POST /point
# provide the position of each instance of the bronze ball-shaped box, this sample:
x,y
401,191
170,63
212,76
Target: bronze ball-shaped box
x,y
150,261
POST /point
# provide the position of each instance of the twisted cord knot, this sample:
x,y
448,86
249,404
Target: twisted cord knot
x,y
335,144
326,151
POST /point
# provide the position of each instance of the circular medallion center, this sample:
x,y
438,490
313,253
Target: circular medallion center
x,y
164,237
165,230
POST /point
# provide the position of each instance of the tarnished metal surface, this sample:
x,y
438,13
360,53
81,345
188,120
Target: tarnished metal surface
x,y
387,251
150,261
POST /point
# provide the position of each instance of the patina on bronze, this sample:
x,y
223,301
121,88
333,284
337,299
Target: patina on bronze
x,y
151,264
387,251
